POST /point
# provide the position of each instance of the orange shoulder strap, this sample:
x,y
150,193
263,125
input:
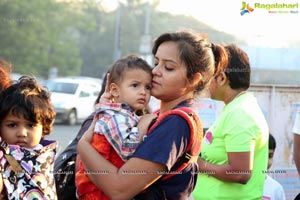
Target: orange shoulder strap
x,y
196,135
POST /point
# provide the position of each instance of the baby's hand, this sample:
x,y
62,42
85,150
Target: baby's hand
x,y
144,123
106,96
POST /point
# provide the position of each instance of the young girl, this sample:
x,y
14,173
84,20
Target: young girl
x,y
26,116
116,134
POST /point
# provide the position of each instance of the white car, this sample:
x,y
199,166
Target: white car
x,y
73,97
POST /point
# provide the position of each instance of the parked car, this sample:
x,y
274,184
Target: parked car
x,y
73,97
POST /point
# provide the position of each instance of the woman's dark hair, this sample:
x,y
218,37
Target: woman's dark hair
x,y
238,70
27,99
196,52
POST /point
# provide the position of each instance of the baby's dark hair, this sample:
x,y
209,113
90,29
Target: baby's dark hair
x,y
127,63
26,98
272,142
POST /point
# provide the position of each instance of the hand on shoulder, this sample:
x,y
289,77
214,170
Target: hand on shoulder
x,y
144,123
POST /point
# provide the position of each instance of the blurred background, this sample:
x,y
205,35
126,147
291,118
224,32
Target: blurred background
x,y
59,38
83,37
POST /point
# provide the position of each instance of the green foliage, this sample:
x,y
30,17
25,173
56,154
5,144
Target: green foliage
x,y
78,37
36,36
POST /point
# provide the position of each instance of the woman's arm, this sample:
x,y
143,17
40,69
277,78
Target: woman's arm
x,y
238,169
124,183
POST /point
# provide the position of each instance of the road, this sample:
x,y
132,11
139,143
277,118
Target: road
x,y
63,134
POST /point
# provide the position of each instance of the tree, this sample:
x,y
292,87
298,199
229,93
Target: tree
x,y
38,35
77,36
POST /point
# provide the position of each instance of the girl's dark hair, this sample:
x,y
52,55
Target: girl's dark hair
x,y
27,99
127,63
196,52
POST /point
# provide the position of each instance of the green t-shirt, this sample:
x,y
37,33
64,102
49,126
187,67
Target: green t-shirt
x,y
241,127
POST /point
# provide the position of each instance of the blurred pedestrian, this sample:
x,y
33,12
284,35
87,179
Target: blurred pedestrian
x,y
273,190
235,148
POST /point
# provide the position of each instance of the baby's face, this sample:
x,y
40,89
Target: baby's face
x,y
134,89
19,131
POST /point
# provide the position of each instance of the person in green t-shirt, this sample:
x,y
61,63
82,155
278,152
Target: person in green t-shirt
x,y
234,153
